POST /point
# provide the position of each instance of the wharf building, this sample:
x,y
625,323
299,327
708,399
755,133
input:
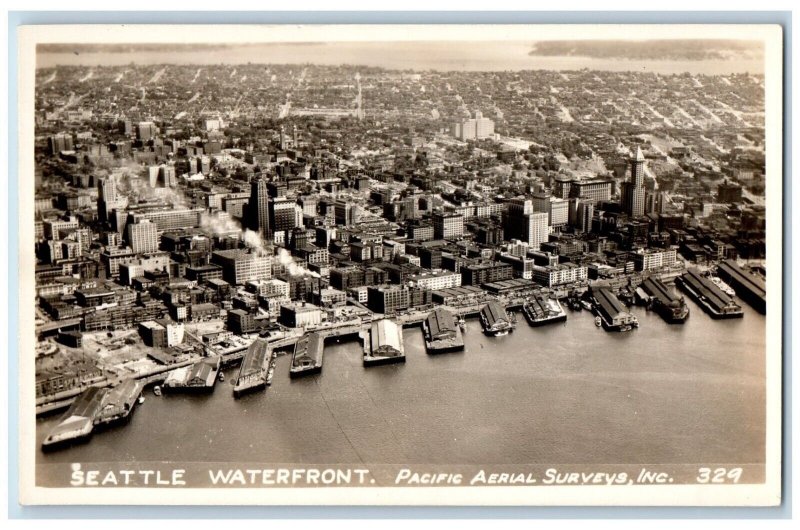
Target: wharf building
x,y
240,265
300,315
654,259
708,295
560,274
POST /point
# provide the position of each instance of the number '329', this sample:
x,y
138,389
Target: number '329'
x,y
719,475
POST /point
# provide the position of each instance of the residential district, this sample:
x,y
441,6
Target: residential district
x,y
190,218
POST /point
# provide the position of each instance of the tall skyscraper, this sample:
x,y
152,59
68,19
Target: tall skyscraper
x,y
522,222
633,192
258,207
108,198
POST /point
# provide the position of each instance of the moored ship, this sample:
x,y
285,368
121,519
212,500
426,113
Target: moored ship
x,y
541,310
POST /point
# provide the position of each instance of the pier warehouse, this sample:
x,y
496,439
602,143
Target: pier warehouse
x,y
708,296
749,288
672,308
441,333
307,356
495,319
254,369
611,311
385,344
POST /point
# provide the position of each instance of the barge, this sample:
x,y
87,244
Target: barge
x,y
672,308
613,314
307,355
708,296
384,344
495,320
542,310
442,335
254,373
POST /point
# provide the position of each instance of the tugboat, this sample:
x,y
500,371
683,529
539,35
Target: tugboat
x,y
141,400
221,377
598,321
157,390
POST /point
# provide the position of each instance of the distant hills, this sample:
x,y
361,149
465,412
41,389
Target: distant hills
x,y
682,50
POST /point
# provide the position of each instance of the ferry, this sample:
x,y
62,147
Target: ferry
x,y
495,319
542,310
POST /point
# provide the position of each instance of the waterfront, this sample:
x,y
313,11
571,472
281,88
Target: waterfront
x,y
564,393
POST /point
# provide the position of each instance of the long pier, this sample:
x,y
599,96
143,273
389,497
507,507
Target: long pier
x,y
749,288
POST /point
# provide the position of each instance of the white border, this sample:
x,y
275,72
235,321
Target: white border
x,y
767,494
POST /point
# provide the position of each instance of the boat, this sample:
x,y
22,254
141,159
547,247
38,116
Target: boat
x,y
157,390
221,377
542,310
598,321
141,400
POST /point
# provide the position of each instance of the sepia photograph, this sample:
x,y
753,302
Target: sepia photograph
x,y
386,264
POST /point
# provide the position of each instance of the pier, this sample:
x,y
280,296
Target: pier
x,y
748,287
495,320
255,368
710,297
612,313
383,344
541,310
307,355
442,335
672,308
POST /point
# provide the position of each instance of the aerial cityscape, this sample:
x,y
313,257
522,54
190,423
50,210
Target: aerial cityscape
x,y
215,241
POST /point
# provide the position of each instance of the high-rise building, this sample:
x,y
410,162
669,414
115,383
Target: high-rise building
x,y
60,142
448,225
258,208
522,222
475,128
108,198
282,214
145,130
143,236
633,192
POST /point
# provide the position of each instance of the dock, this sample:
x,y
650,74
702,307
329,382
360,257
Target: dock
x,y
198,377
442,335
307,355
496,320
383,343
612,313
255,368
119,402
541,310
708,296
77,423
672,308
748,287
